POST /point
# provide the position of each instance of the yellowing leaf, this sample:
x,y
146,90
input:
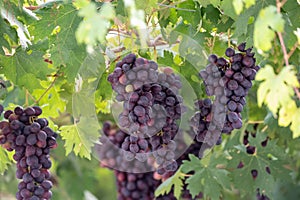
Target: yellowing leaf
x,y
249,3
268,21
95,25
295,127
286,113
276,90
238,6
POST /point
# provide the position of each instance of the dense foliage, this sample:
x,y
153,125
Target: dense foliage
x,y
58,55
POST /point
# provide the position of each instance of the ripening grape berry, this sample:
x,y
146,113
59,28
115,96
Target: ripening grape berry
x,y
229,52
29,111
7,114
35,127
212,58
232,85
242,46
248,61
18,110
221,62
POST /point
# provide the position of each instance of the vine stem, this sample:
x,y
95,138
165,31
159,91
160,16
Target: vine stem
x,y
47,90
286,56
293,49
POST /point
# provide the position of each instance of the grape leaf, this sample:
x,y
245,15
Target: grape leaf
x,y
95,25
186,70
295,124
176,180
61,21
52,102
25,68
238,6
243,20
9,32
228,9
208,178
81,136
147,5
268,21
276,90
5,160
271,156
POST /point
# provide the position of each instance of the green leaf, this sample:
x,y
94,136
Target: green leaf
x,y
268,22
249,3
81,136
147,5
204,3
243,21
208,178
176,180
52,102
5,160
95,25
271,156
228,9
9,33
62,21
25,68
276,90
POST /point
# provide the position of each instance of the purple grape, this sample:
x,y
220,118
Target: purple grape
x,y
212,58
7,114
242,46
31,139
229,52
232,85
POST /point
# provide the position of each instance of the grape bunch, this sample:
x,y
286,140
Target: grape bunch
x,y
229,81
152,106
31,139
132,185
151,109
130,74
136,186
205,123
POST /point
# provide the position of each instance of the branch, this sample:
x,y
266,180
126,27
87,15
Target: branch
x,y
50,86
285,54
293,49
297,92
32,7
